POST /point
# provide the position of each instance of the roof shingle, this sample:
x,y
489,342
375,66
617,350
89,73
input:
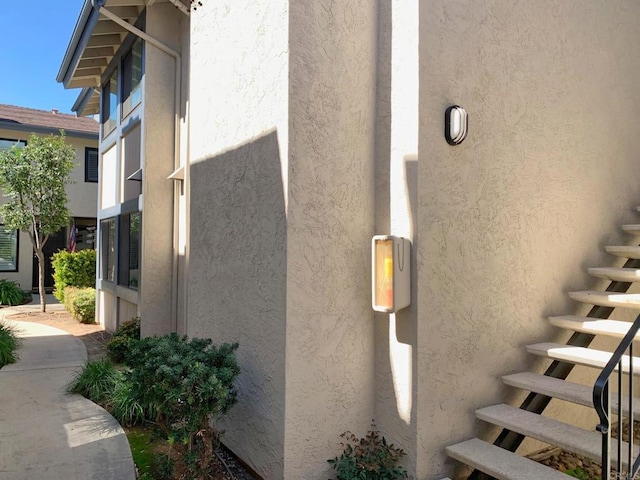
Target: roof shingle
x,y
47,119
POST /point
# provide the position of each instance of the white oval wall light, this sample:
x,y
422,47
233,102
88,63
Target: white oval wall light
x,y
455,125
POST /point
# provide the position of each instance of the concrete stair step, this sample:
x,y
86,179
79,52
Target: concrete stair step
x,y
500,463
567,391
587,357
548,430
633,229
624,251
616,274
607,299
594,326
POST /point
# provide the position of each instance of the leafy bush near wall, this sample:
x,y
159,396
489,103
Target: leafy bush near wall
x,y
9,343
10,293
175,384
187,382
120,344
368,458
77,269
81,303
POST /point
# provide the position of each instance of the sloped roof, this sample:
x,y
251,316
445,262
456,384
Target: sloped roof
x,y
29,119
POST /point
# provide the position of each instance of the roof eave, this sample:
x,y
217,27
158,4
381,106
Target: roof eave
x,y
21,127
81,34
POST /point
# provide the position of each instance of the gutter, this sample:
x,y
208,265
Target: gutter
x,y
82,100
21,127
81,34
99,7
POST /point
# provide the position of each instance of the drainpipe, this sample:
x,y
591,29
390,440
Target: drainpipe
x,y
99,5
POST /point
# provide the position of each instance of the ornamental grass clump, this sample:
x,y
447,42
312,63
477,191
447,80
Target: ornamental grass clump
x,y
9,343
11,293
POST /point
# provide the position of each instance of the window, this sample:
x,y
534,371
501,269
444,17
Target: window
x,y
129,250
131,78
109,103
108,249
8,249
6,144
91,165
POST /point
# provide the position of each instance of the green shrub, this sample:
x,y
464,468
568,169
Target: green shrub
x,y
10,293
120,344
125,407
9,343
77,269
96,381
81,303
368,458
186,382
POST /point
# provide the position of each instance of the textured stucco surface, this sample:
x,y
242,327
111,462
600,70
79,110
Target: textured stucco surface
x,y
396,188
330,331
163,23
508,221
237,252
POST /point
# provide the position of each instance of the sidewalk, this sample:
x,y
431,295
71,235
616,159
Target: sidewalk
x,y
45,433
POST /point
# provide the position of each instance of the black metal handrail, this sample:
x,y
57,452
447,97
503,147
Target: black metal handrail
x,y
602,404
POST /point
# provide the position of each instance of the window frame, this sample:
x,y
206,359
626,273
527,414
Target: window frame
x,y
22,143
124,250
104,245
16,262
87,178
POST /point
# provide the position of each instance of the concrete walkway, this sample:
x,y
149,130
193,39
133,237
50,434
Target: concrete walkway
x,y
45,433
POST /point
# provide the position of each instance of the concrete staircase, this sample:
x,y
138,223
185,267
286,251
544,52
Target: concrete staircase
x,y
505,465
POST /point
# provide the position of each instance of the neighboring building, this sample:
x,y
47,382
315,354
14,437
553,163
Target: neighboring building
x,y
251,148
18,262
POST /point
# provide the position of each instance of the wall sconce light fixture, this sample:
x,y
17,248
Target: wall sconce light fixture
x,y
456,125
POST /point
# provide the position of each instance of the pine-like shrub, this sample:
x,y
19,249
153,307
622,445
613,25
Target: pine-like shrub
x,y
77,269
186,382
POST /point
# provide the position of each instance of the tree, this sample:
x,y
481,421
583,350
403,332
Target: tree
x,y
33,180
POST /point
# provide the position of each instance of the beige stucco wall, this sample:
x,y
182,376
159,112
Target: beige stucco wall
x,y
508,221
82,202
330,329
158,281
238,232
281,218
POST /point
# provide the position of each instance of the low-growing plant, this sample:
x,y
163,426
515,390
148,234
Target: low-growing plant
x,y
81,303
125,407
9,343
10,293
187,382
368,458
119,345
97,381
578,473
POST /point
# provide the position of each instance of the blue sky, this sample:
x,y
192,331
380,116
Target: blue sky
x,y
35,37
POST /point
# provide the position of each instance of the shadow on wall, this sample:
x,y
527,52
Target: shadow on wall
x,y
237,287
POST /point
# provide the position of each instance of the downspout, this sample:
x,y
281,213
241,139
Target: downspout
x,y
99,5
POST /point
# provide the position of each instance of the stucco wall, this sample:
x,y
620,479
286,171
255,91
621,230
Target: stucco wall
x,y
508,221
237,251
157,281
330,330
